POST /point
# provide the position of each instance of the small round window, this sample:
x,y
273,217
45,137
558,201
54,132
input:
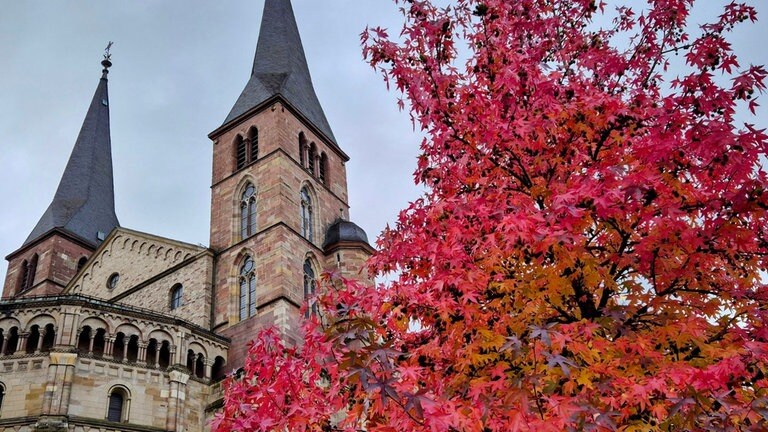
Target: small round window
x,y
113,280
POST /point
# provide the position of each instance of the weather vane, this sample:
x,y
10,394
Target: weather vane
x,y
107,62
107,54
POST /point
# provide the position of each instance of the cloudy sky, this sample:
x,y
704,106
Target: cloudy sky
x,y
179,66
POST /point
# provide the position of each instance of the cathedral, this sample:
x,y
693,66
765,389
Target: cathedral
x,y
104,328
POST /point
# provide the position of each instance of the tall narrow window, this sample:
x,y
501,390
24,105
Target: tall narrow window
x,y
253,141
306,215
32,271
248,212
165,355
116,407
2,396
309,288
311,158
323,168
32,339
49,338
24,276
84,340
247,289
302,149
240,152
28,269
176,293
99,342
132,350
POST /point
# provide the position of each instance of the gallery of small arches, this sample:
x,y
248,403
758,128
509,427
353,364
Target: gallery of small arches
x,y
125,344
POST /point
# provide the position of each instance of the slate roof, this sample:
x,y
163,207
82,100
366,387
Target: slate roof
x,y
84,203
280,68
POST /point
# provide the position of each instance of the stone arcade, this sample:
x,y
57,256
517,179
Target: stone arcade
x,y
106,328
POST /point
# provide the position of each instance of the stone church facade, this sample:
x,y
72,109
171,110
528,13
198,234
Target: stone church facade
x,y
103,328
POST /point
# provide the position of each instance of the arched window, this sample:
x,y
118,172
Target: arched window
x,y
23,276
191,361
323,168
81,263
132,350
217,370
248,212
33,339
311,158
84,340
150,354
2,395
99,342
12,342
176,293
240,152
253,142
200,366
165,355
247,289
306,215
28,270
118,347
309,288
117,405
49,338
302,149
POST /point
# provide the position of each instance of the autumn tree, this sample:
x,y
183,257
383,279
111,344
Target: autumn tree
x,y
589,254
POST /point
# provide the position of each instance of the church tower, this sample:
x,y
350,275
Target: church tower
x,y
279,198
80,216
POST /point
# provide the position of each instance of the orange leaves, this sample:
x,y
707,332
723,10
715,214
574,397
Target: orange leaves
x,y
590,249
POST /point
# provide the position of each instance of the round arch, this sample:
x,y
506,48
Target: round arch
x,y
118,403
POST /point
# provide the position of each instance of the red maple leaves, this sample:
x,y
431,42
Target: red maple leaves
x,y
590,253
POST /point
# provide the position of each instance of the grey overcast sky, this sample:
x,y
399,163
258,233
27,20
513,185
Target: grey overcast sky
x,y
179,66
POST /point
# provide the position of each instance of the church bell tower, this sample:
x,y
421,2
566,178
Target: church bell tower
x,y
81,214
279,198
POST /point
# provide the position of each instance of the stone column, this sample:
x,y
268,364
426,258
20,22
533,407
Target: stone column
x,y
61,371
5,345
22,342
142,356
90,344
176,397
126,340
108,346
208,369
58,338
157,355
40,341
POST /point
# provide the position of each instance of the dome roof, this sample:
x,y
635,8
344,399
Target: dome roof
x,y
343,231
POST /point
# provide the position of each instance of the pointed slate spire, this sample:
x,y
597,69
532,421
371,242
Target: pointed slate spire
x,y
280,67
84,203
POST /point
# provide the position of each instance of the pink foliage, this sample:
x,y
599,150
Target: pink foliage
x,y
590,251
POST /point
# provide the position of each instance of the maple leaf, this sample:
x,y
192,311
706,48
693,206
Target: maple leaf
x,y
589,250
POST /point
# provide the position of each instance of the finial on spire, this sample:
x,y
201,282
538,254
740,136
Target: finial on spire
x,y
107,62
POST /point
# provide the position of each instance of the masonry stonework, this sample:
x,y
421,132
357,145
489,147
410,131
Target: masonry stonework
x,y
94,339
